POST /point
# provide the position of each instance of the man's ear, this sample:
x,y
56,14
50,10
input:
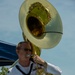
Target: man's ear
x,y
17,51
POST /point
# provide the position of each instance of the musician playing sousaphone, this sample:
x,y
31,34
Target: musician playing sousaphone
x,y
29,64
42,26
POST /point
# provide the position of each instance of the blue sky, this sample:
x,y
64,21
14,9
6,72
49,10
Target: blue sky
x,y
63,55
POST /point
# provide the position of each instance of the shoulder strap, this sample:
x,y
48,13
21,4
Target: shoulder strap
x,y
24,72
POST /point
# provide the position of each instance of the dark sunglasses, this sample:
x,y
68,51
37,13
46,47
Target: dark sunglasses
x,y
25,49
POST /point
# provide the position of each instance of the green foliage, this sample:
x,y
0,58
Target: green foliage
x,y
4,70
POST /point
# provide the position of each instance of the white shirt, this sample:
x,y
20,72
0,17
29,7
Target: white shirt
x,y
50,69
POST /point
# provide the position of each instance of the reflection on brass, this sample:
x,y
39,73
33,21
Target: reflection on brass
x,y
37,18
49,74
41,10
41,71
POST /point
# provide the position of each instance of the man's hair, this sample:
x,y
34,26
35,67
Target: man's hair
x,y
20,45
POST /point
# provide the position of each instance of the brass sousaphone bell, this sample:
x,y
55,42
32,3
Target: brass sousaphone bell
x,y
40,23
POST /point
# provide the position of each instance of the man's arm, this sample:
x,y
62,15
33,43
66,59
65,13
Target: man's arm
x,y
55,70
50,68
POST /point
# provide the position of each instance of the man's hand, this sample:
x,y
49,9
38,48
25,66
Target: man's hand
x,y
39,60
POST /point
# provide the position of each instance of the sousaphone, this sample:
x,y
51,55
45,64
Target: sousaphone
x,y
40,23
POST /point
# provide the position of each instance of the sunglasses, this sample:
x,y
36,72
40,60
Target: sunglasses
x,y
25,49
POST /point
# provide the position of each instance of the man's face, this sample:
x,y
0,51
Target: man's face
x,y
24,51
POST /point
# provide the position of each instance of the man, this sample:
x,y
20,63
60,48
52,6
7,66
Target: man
x,y
26,66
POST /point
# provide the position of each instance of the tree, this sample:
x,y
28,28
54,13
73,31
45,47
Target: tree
x,y
4,70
